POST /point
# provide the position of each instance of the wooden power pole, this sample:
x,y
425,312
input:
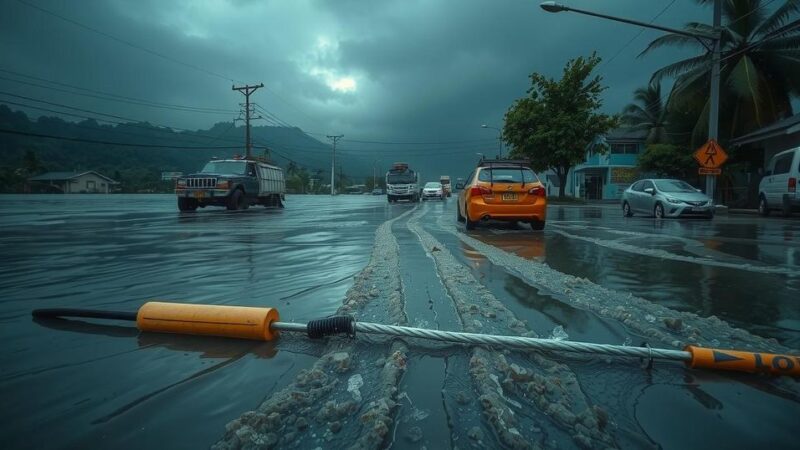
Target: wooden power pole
x,y
247,90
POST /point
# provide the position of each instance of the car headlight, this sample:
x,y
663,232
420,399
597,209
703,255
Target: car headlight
x,y
181,183
673,200
224,184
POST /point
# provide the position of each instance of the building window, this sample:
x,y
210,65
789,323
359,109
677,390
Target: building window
x,y
90,186
624,149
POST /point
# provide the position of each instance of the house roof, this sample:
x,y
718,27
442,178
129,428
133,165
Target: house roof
x,y
63,176
626,134
789,125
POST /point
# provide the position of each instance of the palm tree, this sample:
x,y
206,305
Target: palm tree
x,y
648,112
760,67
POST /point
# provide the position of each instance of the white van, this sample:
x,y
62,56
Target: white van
x,y
778,188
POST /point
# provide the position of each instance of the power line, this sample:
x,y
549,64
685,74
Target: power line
x,y
169,129
123,41
115,130
630,41
92,141
112,97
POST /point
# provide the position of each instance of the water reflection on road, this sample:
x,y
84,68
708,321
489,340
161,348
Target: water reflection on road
x,y
762,303
101,384
104,384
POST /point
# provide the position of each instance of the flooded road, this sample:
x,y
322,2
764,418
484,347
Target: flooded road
x,y
103,384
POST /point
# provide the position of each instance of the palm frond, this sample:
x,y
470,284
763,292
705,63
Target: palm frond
x,y
681,67
780,45
778,18
744,80
677,40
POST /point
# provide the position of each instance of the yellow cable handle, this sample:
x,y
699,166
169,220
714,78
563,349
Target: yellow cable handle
x,y
753,362
241,322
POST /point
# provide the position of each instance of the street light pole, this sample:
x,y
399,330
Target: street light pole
x,y
499,138
704,39
713,114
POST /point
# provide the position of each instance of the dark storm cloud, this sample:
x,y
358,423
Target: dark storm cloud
x,y
421,70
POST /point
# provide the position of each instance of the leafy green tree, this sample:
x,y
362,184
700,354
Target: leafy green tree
x,y
555,123
30,162
760,69
647,113
668,160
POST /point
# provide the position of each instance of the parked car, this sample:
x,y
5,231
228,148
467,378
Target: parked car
x,y
377,191
432,190
666,198
778,188
502,190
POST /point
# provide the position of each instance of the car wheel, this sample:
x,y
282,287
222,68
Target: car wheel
x,y
470,223
763,208
235,201
658,211
187,204
537,225
626,210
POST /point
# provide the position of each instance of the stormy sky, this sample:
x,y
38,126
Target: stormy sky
x,y
399,71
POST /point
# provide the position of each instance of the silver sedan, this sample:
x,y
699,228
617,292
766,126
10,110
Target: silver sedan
x,y
666,198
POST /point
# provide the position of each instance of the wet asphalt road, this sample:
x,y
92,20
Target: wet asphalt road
x,y
103,384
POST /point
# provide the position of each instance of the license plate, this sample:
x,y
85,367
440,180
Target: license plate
x,y
698,209
509,196
199,194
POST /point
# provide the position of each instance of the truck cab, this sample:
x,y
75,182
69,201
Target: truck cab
x,y
402,183
444,180
235,184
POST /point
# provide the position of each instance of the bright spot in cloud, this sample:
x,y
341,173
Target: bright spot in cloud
x,y
345,84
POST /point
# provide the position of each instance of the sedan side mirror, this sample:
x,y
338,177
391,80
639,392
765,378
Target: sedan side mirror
x,y
459,185
650,191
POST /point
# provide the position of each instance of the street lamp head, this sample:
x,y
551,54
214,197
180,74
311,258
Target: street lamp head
x,y
552,7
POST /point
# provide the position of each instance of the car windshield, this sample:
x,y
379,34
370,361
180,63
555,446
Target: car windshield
x,y
432,185
674,186
401,178
508,175
226,167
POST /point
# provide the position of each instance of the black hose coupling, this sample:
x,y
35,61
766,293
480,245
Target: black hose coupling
x,y
331,326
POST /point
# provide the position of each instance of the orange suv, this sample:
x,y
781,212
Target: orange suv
x,y
502,190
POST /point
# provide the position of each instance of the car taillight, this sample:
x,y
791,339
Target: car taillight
x,y
538,191
480,190
792,184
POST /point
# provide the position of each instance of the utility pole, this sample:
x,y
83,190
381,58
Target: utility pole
x,y
333,159
713,115
247,90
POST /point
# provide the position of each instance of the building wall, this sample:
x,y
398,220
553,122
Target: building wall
x,y
87,183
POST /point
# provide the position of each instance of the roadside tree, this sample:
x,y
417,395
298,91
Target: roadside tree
x,y
555,123
668,160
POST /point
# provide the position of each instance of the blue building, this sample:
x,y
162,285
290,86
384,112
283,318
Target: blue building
x,y
606,176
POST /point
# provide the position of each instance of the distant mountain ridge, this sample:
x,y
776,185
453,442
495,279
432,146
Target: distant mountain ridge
x,y
284,143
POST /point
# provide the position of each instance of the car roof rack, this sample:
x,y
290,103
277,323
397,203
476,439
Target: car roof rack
x,y
503,163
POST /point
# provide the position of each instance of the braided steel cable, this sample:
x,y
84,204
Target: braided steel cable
x,y
505,341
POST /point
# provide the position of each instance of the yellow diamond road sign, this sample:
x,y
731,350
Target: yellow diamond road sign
x,y
710,155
